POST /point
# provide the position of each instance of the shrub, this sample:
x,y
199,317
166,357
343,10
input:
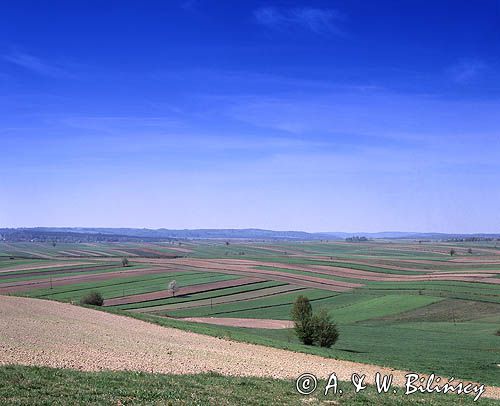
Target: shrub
x,y
92,298
325,331
302,317
124,262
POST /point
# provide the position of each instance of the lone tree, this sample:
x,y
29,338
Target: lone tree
x,y
325,331
452,252
469,250
302,318
313,328
172,286
124,261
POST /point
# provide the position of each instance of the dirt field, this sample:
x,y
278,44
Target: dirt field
x,y
250,323
35,332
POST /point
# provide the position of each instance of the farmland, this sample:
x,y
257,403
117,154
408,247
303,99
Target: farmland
x,y
403,304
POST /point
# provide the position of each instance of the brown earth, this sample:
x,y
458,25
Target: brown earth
x,y
46,333
249,323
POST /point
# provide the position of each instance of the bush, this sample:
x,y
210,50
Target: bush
x,y
302,317
325,331
93,298
124,262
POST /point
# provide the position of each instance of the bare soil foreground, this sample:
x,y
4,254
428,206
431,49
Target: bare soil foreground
x,y
39,332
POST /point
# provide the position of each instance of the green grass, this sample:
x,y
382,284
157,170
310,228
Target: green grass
x,y
21,385
458,290
7,263
380,307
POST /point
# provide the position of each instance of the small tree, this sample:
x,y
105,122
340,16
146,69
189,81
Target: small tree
x,y
92,298
124,262
469,250
452,252
302,317
325,331
172,286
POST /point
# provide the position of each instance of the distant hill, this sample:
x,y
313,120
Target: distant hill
x,y
79,234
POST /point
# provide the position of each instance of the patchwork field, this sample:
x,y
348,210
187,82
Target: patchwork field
x,y
402,304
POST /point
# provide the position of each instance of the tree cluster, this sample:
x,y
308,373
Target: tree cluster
x,y
356,239
313,329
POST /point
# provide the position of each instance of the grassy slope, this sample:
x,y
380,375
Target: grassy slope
x,y
45,386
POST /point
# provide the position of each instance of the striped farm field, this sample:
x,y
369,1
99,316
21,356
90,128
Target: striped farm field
x,y
228,282
401,304
219,293
140,284
228,298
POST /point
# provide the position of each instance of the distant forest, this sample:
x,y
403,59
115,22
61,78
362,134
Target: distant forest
x,y
74,234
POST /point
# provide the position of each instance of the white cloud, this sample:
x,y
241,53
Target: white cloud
x,y
466,70
316,20
34,64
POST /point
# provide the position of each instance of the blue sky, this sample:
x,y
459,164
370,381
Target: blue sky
x,y
316,116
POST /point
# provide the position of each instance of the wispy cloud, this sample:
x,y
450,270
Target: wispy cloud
x,y
317,20
466,70
190,5
34,64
